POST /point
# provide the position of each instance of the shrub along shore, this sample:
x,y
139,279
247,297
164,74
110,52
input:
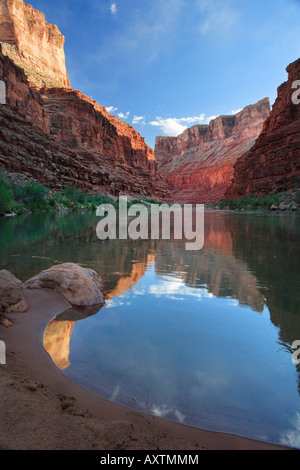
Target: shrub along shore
x,y
19,196
283,201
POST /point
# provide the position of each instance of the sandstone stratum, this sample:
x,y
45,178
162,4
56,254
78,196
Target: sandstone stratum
x,y
32,43
198,164
55,134
273,163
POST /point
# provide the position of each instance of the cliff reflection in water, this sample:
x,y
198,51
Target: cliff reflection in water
x,y
203,337
214,269
57,336
251,258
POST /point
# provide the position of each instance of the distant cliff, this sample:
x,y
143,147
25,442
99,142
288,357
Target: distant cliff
x,y
273,163
198,164
54,133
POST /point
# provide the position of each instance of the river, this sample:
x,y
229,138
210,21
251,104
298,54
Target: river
x,y
203,337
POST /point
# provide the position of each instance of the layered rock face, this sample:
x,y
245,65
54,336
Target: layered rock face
x,y
78,121
33,44
198,164
61,138
58,135
273,163
20,98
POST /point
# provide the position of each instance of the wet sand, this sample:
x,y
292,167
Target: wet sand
x,y
41,409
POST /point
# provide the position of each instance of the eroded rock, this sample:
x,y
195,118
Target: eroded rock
x,y
11,296
80,286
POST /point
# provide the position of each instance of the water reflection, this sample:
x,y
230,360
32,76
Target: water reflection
x,y
245,280
57,335
213,271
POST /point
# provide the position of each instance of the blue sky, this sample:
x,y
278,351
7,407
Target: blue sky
x,y
164,65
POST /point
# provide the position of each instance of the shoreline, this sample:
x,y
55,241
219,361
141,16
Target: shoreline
x,y
41,409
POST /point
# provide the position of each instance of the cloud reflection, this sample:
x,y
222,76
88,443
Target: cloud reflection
x,y
291,437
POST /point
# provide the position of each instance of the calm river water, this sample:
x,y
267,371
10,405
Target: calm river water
x,y
202,338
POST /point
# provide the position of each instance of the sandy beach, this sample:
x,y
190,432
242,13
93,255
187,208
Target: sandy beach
x,y
41,409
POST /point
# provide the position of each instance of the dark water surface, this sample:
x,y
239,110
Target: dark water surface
x,y
203,338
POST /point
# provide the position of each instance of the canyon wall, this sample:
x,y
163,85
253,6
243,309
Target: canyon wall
x,y
56,134
60,137
79,121
273,163
198,164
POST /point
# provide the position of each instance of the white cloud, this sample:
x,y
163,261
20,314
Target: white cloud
x,y
179,416
210,118
138,119
111,109
113,8
160,410
174,288
292,436
123,116
235,111
218,17
191,120
170,126
175,126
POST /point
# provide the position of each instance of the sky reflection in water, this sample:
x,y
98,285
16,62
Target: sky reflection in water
x,y
200,338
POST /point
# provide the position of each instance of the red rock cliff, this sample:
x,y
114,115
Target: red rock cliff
x,y
79,121
33,43
273,163
198,164
57,134
60,137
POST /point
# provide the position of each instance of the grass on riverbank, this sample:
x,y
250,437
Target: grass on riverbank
x,y
289,200
18,197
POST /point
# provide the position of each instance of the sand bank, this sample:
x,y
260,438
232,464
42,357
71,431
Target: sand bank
x,y
41,409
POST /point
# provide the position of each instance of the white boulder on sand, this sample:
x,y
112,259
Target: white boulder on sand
x,y
80,286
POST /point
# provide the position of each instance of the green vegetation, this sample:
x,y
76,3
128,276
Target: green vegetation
x,y
289,200
17,196
6,196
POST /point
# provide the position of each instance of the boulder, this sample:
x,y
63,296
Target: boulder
x,y
80,286
11,296
283,206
